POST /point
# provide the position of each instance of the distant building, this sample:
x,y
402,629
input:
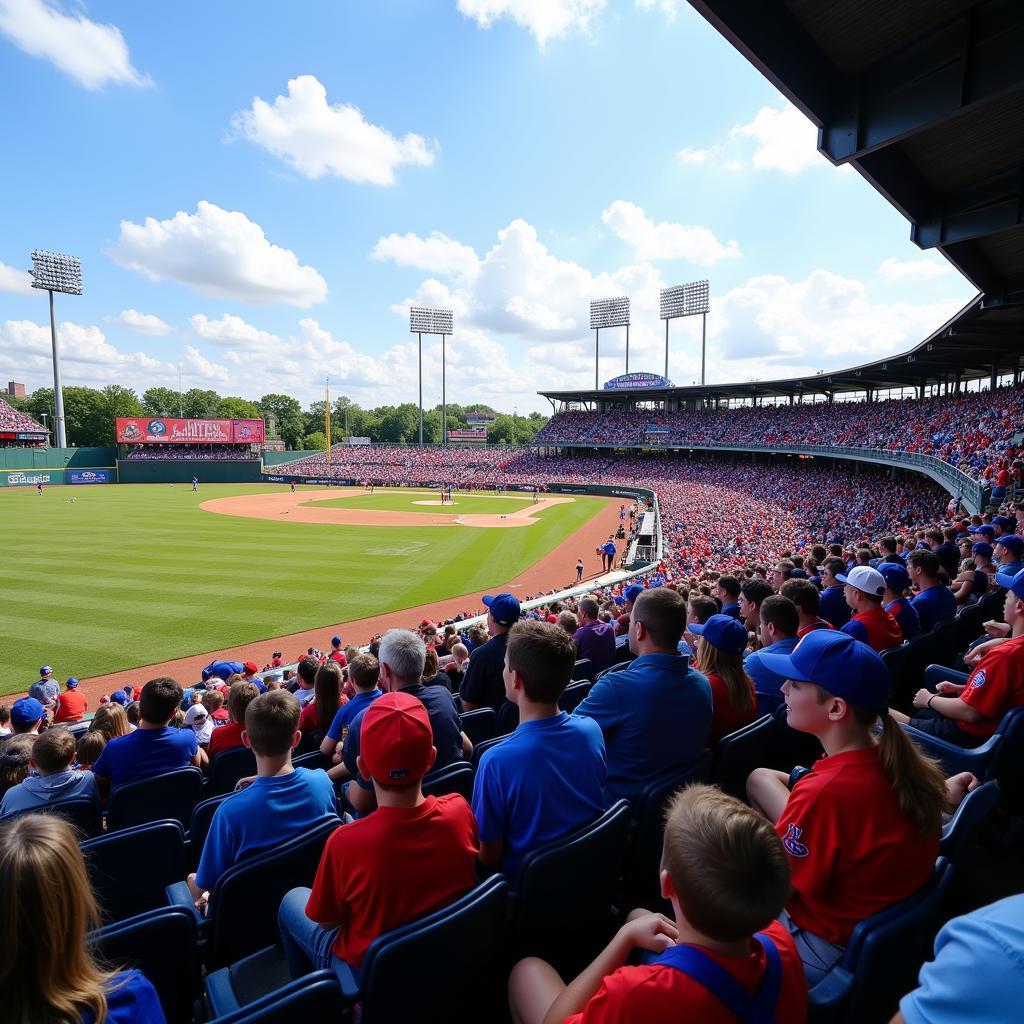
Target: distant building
x,y
480,419
15,390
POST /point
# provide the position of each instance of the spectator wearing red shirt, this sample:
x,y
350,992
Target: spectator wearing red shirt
x,y
846,864
337,654
870,623
724,905
226,737
807,598
318,714
966,710
409,857
71,705
720,653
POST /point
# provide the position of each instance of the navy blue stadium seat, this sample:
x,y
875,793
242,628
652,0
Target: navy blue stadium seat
x,y
882,958
767,743
161,943
481,748
453,778
131,869
565,891
315,998
227,768
908,673
644,860
943,637
479,725
313,760
242,915
999,757
574,695
199,826
959,833
508,718
169,795
398,979
583,669
617,667
83,813
968,626
991,605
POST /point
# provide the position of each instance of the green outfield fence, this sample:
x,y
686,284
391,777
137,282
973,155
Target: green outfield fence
x,y
26,467
209,471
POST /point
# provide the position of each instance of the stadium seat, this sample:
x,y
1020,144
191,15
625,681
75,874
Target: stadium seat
x,y
959,833
943,639
583,669
453,778
161,943
227,768
882,958
170,795
481,748
82,812
644,858
316,997
617,667
1000,756
968,626
573,695
991,605
131,869
238,921
479,725
767,743
398,977
908,672
508,718
562,908
314,759
199,826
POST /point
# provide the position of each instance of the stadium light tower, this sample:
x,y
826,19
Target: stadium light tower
x,y
425,320
608,313
53,272
686,300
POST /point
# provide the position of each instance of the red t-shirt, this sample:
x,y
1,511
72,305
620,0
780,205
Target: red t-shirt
x,y
225,737
71,706
392,866
851,850
724,717
883,630
811,627
307,717
655,993
339,657
995,686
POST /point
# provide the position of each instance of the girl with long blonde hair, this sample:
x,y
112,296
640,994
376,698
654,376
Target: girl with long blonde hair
x,y
111,720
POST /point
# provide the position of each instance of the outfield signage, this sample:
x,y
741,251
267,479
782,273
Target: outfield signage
x,y
637,380
87,476
29,478
479,435
162,430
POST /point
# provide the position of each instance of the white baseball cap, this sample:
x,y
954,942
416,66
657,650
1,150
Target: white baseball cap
x,y
864,578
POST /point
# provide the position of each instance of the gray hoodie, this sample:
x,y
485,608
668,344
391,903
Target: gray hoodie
x,y
39,790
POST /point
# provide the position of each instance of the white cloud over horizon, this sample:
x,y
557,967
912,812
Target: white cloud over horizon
x,y
142,323
437,253
664,240
915,271
544,19
17,282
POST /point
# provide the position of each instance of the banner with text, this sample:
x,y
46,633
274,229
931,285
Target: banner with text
x,y
162,430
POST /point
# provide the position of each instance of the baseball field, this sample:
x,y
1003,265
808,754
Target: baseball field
x,y
126,576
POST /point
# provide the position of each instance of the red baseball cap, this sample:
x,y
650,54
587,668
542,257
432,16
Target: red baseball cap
x,y
251,667
396,741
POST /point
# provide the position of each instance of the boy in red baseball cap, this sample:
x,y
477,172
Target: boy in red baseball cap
x,y
411,856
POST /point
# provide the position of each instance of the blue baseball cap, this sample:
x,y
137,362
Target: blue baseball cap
x,y
1005,522
26,711
620,601
1012,543
46,671
724,632
504,608
335,640
71,682
983,548
896,576
986,530
836,662
120,697
633,592
1012,582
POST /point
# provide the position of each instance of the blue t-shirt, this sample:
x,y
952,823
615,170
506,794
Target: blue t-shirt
x,y
544,781
833,606
732,610
346,713
934,605
131,999
906,615
768,684
224,669
655,715
144,753
271,810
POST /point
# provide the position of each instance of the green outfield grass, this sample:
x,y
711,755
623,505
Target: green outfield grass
x,y
389,500
139,574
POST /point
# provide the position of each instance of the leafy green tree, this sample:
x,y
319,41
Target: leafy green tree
x,y
160,402
238,409
314,441
200,405
287,413
399,424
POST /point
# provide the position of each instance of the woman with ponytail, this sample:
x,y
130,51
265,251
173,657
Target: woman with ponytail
x,y
720,648
862,828
47,973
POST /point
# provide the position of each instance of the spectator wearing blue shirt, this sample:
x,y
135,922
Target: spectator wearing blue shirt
x,y
655,714
45,689
833,608
363,673
934,603
153,747
897,582
779,624
727,590
1009,554
55,780
281,802
548,778
223,670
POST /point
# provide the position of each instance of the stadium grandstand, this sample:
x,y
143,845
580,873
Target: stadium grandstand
x,y
18,430
774,770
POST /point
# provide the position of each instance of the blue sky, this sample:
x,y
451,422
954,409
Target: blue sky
x,y
258,190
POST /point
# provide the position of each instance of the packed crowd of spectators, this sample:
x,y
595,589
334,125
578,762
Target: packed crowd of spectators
x,y
977,432
13,419
188,452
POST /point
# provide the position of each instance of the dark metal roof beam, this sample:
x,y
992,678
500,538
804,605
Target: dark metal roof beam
x,y
996,204
968,61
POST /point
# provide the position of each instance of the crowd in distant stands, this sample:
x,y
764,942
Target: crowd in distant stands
x,y
13,419
184,452
975,432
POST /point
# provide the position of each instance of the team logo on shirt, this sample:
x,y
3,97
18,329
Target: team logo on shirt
x,y
791,841
979,679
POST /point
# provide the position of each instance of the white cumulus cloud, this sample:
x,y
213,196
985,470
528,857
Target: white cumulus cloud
x,y
142,323
317,138
92,54
664,240
670,8
220,254
786,140
17,282
926,268
545,19
437,253
231,332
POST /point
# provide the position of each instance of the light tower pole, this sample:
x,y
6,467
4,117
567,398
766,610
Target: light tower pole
x,y
426,320
687,300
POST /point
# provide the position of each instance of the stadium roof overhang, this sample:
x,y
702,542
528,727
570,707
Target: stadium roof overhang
x,y
925,100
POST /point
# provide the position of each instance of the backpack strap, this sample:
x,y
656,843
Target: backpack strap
x,y
708,972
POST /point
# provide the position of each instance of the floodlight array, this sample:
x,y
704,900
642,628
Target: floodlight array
x,y
609,312
685,300
425,320
54,272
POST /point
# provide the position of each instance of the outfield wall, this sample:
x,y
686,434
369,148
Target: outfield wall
x,y
277,458
26,467
172,471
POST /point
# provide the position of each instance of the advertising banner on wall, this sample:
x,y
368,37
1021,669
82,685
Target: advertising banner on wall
x,y
31,477
87,476
164,430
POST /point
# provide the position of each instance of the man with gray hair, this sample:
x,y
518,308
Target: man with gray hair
x,y
594,639
402,656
